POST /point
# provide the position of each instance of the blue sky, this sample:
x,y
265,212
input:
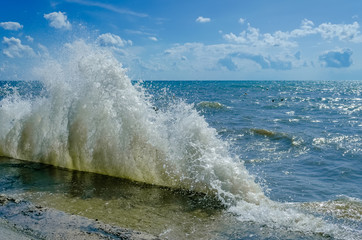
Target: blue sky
x,y
192,39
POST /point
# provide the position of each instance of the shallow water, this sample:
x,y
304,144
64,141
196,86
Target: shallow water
x,y
111,200
169,213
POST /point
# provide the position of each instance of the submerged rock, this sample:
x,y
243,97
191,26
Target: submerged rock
x,y
47,223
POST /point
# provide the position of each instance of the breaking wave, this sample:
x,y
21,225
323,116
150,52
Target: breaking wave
x,y
90,117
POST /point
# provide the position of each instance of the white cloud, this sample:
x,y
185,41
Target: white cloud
x,y
203,19
236,39
153,39
112,40
14,48
328,31
29,38
344,32
58,20
14,26
241,20
252,36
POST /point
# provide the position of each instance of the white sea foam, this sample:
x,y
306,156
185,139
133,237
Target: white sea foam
x,y
286,218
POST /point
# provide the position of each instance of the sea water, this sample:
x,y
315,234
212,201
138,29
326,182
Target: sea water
x,y
185,159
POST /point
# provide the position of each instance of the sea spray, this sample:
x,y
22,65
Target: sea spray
x,y
93,119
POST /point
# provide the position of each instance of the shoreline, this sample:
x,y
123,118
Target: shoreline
x,y
23,220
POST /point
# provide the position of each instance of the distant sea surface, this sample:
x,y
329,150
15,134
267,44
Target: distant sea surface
x,y
300,141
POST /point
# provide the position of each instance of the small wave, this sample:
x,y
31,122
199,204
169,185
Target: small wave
x,y
295,141
263,132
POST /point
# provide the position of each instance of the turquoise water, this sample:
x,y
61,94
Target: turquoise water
x,y
185,159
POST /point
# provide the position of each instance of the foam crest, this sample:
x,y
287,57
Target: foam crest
x,y
287,218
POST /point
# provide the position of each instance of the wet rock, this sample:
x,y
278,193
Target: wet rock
x,y
47,223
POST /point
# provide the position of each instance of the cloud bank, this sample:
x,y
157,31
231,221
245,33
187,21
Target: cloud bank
x,y
328,31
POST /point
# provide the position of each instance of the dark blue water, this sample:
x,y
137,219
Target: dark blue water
x,y
302,139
